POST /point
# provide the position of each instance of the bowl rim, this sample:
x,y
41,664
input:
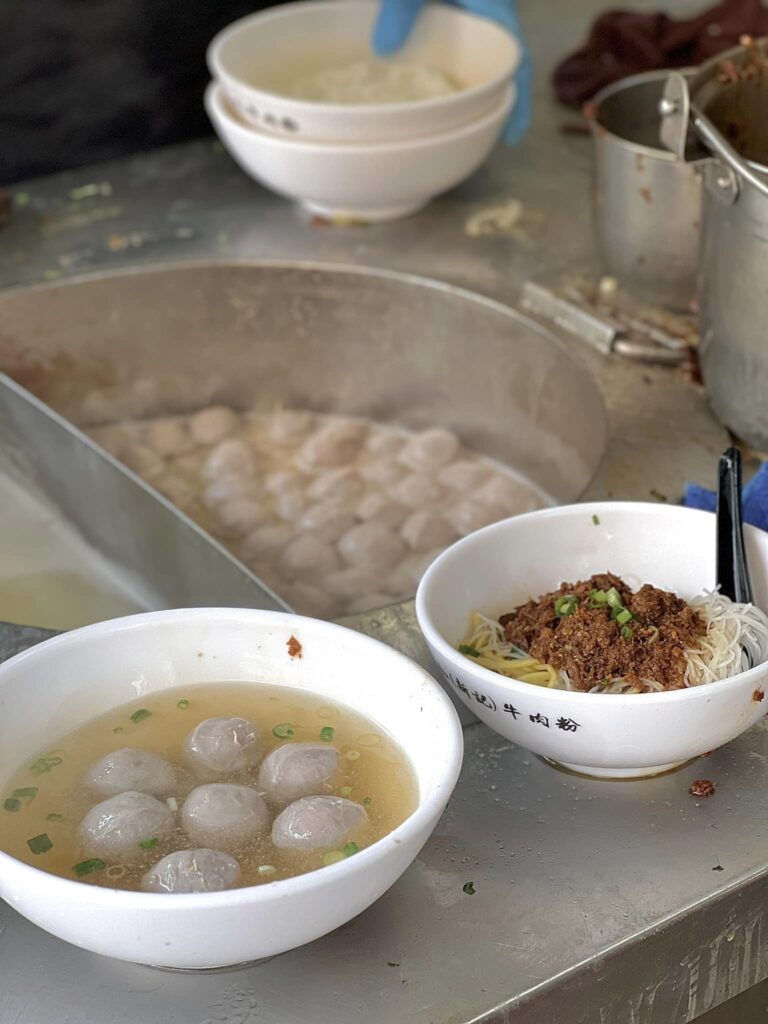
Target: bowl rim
x,y
283,12
217,107
283,888
436,640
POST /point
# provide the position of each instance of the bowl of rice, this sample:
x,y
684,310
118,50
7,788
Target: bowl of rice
x,y
595,636
307,71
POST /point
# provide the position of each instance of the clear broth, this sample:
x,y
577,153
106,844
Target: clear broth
x,y
380,778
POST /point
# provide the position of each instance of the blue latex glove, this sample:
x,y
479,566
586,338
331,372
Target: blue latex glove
x,y
754,498
397,18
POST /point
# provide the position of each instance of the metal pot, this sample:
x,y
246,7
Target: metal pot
x,y
732,284
646,202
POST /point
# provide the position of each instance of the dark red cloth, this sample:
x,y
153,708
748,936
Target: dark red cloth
x,y
625,43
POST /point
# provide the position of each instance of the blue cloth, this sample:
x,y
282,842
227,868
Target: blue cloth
x,y
754,498
397,18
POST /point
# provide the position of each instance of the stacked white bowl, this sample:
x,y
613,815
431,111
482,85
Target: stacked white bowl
x,y
362,161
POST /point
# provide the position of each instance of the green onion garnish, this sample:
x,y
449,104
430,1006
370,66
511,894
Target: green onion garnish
x,y
596,520
469,650
140,715
626,632
350,848
468,888
40,844
45,764
28,793
147,844
333,857
53,816
284,731
566,605
12,804
326,733
183,704
117,729
613,598
85,867
624,616
367,801
598,597
345,791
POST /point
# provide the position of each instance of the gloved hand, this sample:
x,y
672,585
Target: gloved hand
x,y
397,18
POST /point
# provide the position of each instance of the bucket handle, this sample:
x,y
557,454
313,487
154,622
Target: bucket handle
x,y
678,112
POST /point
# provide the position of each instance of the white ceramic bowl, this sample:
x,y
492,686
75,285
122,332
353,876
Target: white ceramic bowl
x,y
253,57
57,686
371,182
509,562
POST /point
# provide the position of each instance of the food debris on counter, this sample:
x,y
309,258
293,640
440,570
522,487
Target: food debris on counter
x,y
469,888
702,788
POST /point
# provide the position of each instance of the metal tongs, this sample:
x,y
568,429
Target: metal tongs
x,y
732,569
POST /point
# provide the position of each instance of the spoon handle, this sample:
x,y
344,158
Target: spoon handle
x,y
732,570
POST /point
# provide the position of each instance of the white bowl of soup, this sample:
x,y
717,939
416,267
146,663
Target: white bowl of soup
x,y
368,181
146,815
307,71
591,635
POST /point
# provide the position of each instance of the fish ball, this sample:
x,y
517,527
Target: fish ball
x,y
143,460
230,458
371,546
223,744
168,436
127,769
339,485
383,442
316,823
214,424
327,521
266,540
464,475
240,516
227,488
285,481
289,426
424,530
383,472
510,494
416,491
307,599
348,584
297,769
430,451
193,871
336,442
309,556
222,814
290,505
468,516
119,824
378,508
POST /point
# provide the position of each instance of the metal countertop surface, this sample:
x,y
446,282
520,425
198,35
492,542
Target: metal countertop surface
x,y
609,902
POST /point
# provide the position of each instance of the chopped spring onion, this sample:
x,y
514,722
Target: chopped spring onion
x,y
118,729
266,869
333,857
598,597
28,793
345,791
40,844
352,755
566,605
85,867
326,733
46,764
183,704
53,816
147,844
626,632
284,731
624,616
140,715
367,801
596,520
469,650
12,804
613,598
469,889
350,849
172,803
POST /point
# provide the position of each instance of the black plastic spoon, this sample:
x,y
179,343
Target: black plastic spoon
x,y
732,569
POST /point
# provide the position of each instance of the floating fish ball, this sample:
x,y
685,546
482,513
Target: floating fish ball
x,y
297,769
232,457
213,425
222,814
193,871
309,556
168,436
424,530
430,451
316,823
327,521
371,546
119,824
377,508
334,444
467,516
129,769
239,516
289,426
338,485
223,744
416,491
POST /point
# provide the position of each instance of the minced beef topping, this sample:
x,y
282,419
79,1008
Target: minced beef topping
x,y
583,629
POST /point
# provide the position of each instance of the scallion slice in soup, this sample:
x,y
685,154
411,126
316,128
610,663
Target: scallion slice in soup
x,y
326,733
40,844
140,715
86,867
284,731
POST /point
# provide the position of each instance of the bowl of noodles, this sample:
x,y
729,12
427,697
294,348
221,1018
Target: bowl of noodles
x,y
595,636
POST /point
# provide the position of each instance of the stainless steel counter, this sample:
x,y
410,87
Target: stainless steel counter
x,y
617,903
